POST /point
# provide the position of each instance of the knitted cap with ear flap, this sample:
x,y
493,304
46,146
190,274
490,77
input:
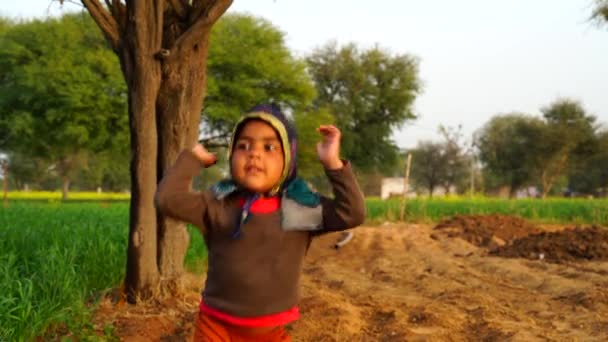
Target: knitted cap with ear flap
x,y
290,187
272,115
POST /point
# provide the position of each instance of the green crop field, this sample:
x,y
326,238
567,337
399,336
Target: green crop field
x,y
57,258
553,210
55,261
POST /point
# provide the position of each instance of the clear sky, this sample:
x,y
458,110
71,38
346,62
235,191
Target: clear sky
x,y
477,58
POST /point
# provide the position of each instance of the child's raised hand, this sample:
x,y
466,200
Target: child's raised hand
x,y
205,157
328,149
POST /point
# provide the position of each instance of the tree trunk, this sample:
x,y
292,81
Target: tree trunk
x,y
65,187
512,191
552,171
513,187
178,108
448,190
162,47
142,73
63,167
5,182
547,182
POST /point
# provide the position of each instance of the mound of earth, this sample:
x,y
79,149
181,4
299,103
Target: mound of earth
x,y
487,230
579,243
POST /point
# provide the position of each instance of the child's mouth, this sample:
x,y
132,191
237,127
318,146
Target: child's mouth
x,y
253,170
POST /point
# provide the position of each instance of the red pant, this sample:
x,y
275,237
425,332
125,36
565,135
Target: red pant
x,y
208,329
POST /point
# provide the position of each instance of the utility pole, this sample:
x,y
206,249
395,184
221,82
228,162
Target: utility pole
x,y
472,176
406,186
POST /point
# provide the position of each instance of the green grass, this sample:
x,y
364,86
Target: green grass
x,y
55,261
554,210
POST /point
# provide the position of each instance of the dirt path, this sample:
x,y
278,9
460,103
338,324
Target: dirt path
x,y
397,283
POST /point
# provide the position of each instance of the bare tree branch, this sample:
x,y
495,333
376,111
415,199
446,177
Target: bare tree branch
x,y
198,6
600,13
120,14
105,21
145,24
208,16
180,8
61,2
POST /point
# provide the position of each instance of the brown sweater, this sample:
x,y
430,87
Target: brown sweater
x,y
257,274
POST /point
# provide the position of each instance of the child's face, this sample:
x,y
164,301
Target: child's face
x,y
257,157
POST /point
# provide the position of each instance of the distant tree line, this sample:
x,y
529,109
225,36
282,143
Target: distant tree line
x,y
564,152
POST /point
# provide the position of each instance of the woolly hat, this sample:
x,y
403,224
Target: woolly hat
x,y
290,187
272,115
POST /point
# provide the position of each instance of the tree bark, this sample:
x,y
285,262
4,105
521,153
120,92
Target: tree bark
x,y
448,189
162,49
141,41
512,190
178,108
64,167
65,187
551,171
547,182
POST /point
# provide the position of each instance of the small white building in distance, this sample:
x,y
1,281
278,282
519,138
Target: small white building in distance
x,y
393,187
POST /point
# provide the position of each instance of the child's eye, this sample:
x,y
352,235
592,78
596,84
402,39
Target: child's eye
x,y
269,147
243,146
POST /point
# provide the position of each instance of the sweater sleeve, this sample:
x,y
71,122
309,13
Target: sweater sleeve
x,y
347,208
174,196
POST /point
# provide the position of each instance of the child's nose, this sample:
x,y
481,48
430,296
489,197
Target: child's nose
x,y
255,151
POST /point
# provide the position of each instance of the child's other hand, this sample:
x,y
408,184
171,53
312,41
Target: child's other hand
x,y
205,157
328,149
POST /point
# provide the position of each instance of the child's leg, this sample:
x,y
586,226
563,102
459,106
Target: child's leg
x,y
209,330
275,335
